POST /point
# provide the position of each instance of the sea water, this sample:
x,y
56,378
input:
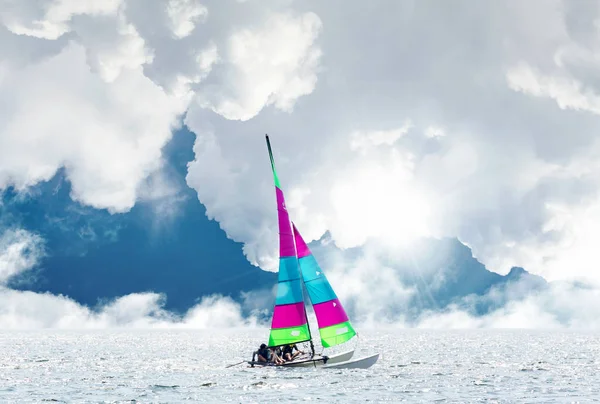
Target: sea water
x,y
169,366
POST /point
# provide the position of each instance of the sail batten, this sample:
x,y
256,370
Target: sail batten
x,y
333,322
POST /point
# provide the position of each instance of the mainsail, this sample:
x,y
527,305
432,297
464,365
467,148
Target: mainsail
x,y
290,323
334,326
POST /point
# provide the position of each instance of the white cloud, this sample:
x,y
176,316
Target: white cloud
x,y
501,150
184,14
406,294
112,45
377,197
108,142
434,131
371,292
362,140
498,136
216,312
49,19
20,250
566,91
561,306
366,192
29,310
273,64
105,116
204,62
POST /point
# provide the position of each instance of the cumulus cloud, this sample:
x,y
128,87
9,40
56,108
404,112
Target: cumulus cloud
x,y
566,91
20,251
561,306
97,88
398,122
373,298
424,286
500,150
108,142
51,19
84,105
184,14
273,64
29,310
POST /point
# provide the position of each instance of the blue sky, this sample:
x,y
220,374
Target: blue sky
x,y
133,166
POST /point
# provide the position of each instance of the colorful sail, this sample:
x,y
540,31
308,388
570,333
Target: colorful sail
x,y
289,324
334,326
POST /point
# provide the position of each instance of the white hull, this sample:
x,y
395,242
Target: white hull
x,y
362,363
341,357
317,361
304,363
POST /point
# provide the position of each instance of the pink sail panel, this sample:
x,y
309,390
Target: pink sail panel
x,y
286,238
330,313
301,247
288,315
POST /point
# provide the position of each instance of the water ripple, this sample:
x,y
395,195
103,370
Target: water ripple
x,y
418,366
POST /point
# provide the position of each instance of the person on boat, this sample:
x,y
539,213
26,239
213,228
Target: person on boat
x,y
264,354
277,359
268,355
288,352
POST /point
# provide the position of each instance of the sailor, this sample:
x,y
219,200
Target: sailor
x,y
277,359
288,352
264,354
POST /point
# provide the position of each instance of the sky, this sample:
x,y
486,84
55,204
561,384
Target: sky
x,y
136,186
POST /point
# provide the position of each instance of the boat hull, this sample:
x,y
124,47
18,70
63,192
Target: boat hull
x,y
341,357
320,360
361,363
316,361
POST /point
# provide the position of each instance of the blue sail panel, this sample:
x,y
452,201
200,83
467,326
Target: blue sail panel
x,y
289,292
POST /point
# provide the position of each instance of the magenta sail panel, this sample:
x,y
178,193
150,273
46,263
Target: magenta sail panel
x,y
289,315
330,313
302,249
286,237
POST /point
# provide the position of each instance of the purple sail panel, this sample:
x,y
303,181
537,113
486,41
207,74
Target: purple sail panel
x,y
289,315
330,313
286,237
301,247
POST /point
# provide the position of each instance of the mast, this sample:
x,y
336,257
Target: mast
x,y
310,341
290,322
277,184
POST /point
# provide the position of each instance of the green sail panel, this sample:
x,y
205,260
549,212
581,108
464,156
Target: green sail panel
x,y
290,335
336,334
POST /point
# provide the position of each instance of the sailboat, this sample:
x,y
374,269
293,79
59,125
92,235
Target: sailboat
x,y
289,325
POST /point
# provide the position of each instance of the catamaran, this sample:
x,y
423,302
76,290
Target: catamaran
x,y
290,325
